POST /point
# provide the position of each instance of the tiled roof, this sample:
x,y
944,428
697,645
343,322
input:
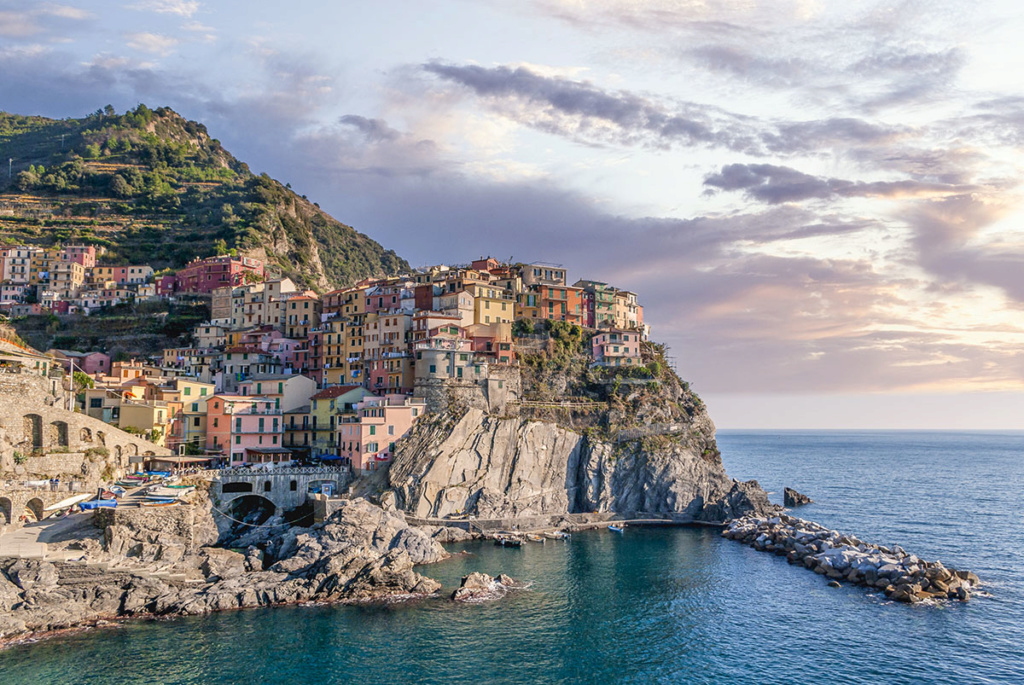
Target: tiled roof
x,y
334,391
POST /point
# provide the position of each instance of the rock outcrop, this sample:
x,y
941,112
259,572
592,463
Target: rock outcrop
x,y
361,553
506,467
792,498
480,587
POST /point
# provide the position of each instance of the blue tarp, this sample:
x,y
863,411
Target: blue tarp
x,y
99,503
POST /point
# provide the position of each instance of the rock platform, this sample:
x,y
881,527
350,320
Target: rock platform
x,y
902,576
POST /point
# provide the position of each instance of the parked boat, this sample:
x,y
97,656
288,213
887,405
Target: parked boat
x,y
99,504
155,498
507,541
617,529
164,491
172,503
557,535
535,538
69,502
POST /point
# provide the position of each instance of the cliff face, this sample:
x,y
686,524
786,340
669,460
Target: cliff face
x,y
500,467
582,439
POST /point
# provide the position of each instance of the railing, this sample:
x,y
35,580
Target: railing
x,y
284,471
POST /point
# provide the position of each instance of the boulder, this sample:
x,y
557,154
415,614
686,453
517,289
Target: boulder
x,y
792,498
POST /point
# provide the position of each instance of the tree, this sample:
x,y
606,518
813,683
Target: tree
x,y
83,380
120,187
92,151
109,110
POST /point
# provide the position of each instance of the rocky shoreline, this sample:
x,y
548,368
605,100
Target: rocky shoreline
x,y
138,567
902,576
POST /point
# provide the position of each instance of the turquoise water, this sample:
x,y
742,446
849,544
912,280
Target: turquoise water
x,y
652,605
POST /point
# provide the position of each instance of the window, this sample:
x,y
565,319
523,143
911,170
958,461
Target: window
x,y
95,402
373,430
215,423
238,439
195,407
391,430
238,424
433,368
188,391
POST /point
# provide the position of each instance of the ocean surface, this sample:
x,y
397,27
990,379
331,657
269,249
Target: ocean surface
x,y
652,605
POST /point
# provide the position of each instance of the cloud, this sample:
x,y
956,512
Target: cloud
x,y
375,130
45,18
153,43
774,184
581,110
183,8
206,33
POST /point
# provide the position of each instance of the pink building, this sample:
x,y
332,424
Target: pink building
x,y
80,254
245,429
367,438
89,362
205,275
616,347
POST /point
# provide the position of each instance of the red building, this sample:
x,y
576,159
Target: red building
x,y
205,275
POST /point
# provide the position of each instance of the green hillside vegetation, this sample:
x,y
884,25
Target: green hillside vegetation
x,y
152,187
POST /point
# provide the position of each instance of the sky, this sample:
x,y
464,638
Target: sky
x,y
818,202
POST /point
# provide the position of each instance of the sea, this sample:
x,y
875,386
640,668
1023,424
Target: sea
x,y
652,605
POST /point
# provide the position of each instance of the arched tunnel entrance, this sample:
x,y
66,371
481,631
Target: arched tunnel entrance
x,y
248,511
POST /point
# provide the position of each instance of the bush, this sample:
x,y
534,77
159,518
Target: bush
x,y
20,458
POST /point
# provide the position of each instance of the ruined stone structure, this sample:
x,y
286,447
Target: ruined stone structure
x,y
285,488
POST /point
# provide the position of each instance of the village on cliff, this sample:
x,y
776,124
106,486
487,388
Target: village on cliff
x,y
281,374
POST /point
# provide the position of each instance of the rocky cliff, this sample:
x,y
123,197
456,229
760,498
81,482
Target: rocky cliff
x,y
635,441
499,468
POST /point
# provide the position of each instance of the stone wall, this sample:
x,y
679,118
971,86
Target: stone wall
x,y
497,393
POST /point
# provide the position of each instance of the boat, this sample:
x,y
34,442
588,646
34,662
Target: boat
x,y
155,498
69,502
557,535
617,529
99,504
163,491
507,541
172,503
535,538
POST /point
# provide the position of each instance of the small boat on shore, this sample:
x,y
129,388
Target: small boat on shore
x,y
557,535
172,503
617,529
99,504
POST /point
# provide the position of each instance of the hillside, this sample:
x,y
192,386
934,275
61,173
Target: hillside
x,y
152,187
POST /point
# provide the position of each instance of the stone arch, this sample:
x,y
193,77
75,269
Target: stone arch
x,y
133,449
252,509
149,453
101,437
58,433
34,430
86,435
35,507
6,510
236,486
117,453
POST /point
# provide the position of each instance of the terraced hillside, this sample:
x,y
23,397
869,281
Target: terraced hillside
x,y
152,187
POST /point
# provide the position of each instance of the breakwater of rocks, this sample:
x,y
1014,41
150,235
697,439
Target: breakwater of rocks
x,y
902,576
